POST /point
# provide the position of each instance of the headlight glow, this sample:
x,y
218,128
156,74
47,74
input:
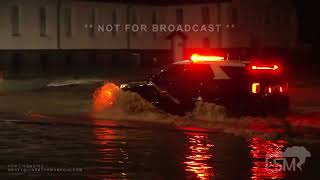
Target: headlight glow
x,y
124,86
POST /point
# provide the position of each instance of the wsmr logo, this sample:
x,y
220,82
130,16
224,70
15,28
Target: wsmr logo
x,y
291,159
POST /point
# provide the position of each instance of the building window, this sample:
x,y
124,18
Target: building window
x,y
179,16
280,16
15,21
245,16
285,18
154,21
234,16
267,16
114,21
43,21
205,15
92,22
68,22
288,18
277,17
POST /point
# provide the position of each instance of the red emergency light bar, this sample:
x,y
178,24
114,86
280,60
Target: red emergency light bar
x,y
274,67
202,58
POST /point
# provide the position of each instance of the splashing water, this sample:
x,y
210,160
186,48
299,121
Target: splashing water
x,y
109,102
208,111
104,97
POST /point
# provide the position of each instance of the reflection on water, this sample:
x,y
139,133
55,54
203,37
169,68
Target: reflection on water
x,y
113,156
259,149
199,155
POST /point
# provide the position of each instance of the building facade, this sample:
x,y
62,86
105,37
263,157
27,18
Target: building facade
x,y
41,33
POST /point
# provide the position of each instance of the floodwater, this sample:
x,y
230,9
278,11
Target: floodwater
x,y
107,150
125,137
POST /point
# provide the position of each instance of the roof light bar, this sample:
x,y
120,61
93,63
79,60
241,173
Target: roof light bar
x,y
199,58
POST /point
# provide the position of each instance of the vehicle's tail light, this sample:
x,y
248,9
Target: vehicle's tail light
x,y
284,88
273,67
269,89
276,89
281,89
255,88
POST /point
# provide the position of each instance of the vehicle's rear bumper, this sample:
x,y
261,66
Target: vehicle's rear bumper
x,y
274,103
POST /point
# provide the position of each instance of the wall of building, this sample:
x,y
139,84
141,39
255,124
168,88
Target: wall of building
x,y
271,25
265,24
192,15
31,35
27,35
76,15
149,39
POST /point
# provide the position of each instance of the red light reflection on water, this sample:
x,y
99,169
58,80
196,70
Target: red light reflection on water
x,y
198,156
111,156
103,135
259,149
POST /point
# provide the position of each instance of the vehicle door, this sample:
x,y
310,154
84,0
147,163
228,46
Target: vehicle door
x,y
197,80
170,82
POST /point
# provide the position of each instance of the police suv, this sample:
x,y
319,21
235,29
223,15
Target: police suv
x,y
241,87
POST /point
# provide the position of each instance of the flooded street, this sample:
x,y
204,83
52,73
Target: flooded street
x,y
116,151
69,132
159,90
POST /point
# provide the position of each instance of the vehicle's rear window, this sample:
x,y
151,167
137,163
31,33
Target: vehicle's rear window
x,y
173,72
199,72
